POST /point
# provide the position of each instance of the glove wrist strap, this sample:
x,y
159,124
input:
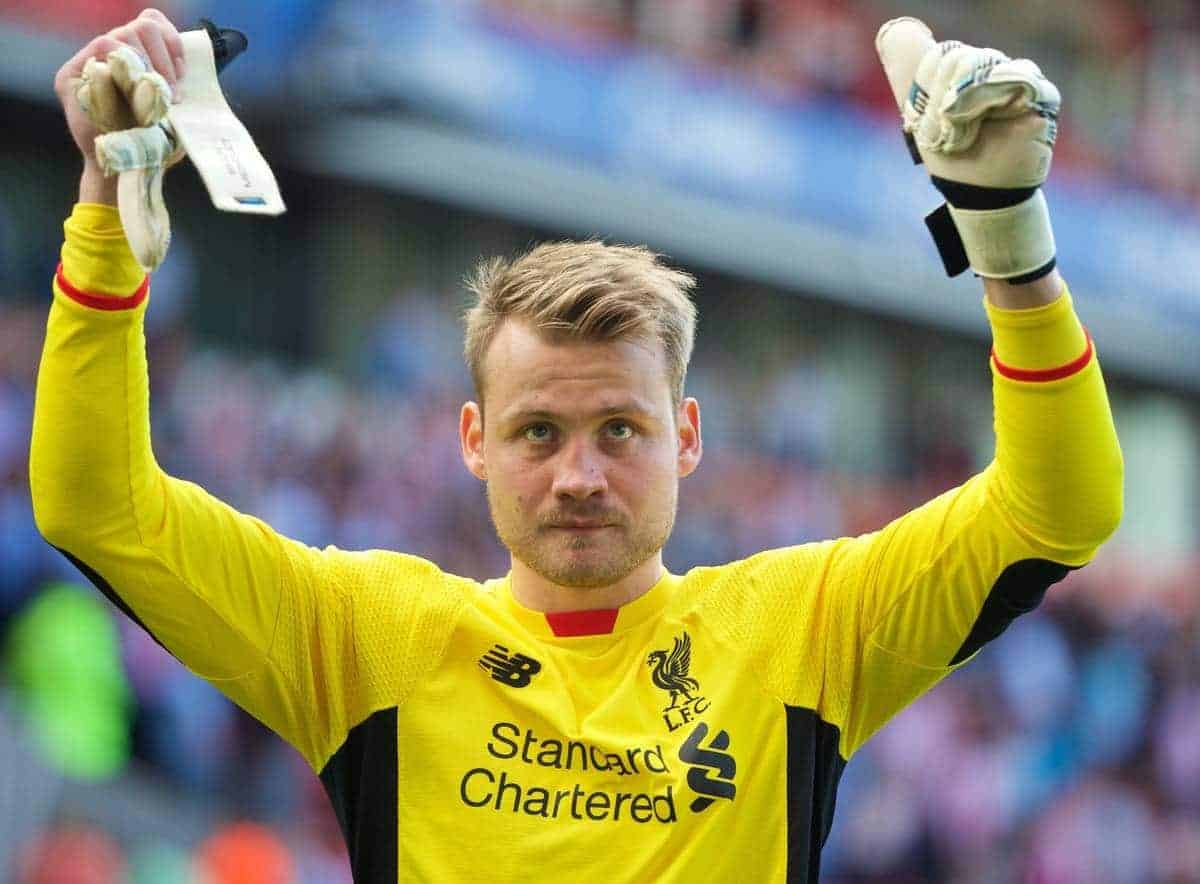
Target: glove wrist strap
x,y
1014,242
1011,242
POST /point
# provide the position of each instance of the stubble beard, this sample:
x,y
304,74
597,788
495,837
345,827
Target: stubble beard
x,y
575,560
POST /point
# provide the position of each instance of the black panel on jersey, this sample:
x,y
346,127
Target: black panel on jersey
x,y
105,587
814,768
360,779
1018,590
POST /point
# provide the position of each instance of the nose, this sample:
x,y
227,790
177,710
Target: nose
x,y
579,473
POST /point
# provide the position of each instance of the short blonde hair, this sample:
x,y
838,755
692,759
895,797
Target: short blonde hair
x,y
586,291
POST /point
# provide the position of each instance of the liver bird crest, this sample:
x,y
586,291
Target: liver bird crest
x,y
671,671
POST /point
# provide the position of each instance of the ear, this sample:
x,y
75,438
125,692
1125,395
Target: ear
x,y
690,447
470,437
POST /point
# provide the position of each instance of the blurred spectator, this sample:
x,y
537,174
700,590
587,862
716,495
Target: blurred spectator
x,y
154,863
1176,741
30,789
1101,832
63,662
73,854
244,853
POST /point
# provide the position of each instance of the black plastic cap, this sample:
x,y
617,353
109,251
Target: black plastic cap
x,y
227,43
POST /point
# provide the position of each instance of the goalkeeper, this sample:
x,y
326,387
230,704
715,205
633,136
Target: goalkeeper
x,y
591,716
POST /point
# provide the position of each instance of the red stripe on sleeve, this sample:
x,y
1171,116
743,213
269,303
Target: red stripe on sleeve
x,y
102,302
599,622
1046,374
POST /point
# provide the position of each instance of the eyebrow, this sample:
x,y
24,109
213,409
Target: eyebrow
x,y
628,407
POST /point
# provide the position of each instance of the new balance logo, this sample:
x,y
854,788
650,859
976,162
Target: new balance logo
x,y
712,775
514,670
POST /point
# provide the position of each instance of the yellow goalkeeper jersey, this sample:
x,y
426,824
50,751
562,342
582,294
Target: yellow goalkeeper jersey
x,y
695,734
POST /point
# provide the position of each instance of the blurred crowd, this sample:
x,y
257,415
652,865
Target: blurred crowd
x,y
1066,752
1129,70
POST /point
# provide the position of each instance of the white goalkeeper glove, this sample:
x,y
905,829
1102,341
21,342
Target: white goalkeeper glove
x,y
984,125
128,103
144,134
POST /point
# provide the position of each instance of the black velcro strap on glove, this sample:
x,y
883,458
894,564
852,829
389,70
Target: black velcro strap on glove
x,y
949,243
913,150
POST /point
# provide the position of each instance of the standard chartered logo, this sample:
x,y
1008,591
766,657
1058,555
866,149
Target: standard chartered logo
x,y
709,766
486,787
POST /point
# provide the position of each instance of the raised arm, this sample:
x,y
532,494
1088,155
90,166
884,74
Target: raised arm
x,y
935,585
857,628
276,625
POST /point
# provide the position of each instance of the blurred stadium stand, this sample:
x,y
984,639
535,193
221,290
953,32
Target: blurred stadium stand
x,y
307,370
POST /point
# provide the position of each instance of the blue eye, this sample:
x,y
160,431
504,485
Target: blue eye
x,y
536,433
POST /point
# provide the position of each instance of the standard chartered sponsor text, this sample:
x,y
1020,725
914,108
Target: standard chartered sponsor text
x,y
498,790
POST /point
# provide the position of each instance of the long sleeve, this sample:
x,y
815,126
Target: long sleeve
x,y
857,628
273,623
937,584
1059,471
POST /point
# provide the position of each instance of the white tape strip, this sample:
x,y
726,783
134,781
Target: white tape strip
x,y
130,149
236,175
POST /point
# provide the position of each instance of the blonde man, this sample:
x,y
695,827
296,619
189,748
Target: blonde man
x,y
589,716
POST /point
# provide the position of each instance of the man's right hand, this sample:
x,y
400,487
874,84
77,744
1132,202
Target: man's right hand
x,y
153,36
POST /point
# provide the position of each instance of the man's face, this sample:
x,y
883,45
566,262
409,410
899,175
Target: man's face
x,y
582,453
